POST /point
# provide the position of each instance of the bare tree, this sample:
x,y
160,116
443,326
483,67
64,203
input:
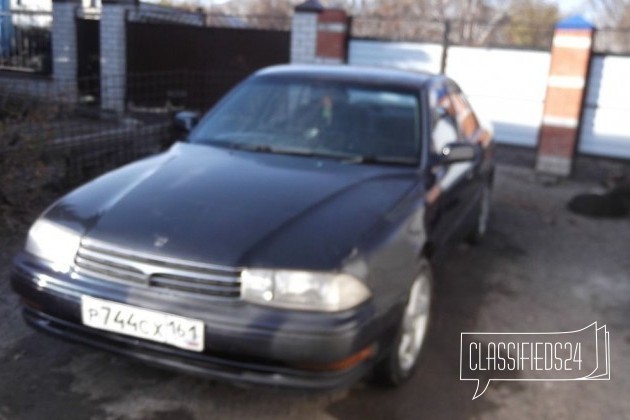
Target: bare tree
x,y
611,13
531,23
470,22
613,21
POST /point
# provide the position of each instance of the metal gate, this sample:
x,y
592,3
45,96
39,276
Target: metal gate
x,y
605,127
88,56
170,62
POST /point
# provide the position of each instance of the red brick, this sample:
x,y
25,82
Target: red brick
x,y
569,61
563,102
332,16
557,141
330,44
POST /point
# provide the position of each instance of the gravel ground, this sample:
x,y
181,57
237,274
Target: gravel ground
x,y
540,269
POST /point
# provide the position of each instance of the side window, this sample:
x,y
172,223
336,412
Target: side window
x,y
465,117
444,118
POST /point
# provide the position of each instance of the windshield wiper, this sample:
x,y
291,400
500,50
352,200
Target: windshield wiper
x,y
343,157
240,146
382,159
295,151
253,147
346,157
264,148
308,152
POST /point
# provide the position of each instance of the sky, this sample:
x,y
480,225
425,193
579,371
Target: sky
x,y
573,7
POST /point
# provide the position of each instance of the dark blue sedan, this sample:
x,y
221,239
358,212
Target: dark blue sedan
x,y
287,241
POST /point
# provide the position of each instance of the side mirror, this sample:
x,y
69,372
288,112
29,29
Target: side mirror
x,y
185,121
458,152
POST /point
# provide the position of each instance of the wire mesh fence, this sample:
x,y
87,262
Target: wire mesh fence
x,y
163,92
25,41
56,135
251,21
374,27
502,33
56,138
506,32
612,41
200,17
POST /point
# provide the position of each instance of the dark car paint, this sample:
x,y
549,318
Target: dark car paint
x,y
389,78
240,371
194,198
249,209
233,326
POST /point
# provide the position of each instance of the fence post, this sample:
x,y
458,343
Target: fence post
x,y
566,84
64,47
304,32
318,34
348,39
113,40
445,42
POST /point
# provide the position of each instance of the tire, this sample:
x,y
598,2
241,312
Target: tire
x,y
481,223
401,359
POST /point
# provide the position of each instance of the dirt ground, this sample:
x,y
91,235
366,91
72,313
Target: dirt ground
x,y
540,269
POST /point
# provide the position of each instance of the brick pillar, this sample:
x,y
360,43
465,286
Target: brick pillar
x,y
319,35
64,47
570,58
113,41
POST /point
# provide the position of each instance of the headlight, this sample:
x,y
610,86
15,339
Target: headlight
x,y
53,242
310,291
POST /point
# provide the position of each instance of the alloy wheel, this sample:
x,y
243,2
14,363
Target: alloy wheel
x,y
415,322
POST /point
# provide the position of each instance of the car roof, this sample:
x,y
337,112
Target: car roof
x,y
369,75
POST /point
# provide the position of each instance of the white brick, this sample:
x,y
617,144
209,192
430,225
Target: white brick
x,y
113,57
303,37
64,46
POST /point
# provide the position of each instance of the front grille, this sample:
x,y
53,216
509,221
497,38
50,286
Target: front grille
x,y
103,261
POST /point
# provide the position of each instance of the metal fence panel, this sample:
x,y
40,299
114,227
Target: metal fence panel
x,y
402,55
506,87
214,57
25,41
605,128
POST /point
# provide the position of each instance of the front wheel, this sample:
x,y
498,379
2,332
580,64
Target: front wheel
x,y
401,360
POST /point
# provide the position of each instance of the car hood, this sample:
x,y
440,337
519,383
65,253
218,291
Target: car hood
x,y
237,208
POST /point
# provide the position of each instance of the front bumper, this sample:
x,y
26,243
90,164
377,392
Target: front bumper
x,y
245,344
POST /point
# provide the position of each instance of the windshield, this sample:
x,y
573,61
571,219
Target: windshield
x,y
357,122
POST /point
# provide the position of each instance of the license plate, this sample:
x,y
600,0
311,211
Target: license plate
x,y
185,333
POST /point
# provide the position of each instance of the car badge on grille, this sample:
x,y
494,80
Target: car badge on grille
x,y
160,241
